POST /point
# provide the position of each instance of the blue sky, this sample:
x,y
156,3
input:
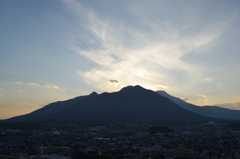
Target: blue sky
x,y
54,50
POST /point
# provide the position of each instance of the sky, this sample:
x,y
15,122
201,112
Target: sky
x,y
53,50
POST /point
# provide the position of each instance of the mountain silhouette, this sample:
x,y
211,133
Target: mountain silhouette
x,y
210,111
132,104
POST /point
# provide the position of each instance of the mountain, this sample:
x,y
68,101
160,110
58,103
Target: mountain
x,y
210,111
132,104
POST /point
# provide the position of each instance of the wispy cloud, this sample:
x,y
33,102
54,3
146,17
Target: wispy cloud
x,y
159,44
17,82
132,55
21,91
208,79
202,95
49,85
161,87
185,99
32,84
203,100
1,89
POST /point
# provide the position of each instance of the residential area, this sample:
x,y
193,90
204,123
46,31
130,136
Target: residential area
x,y
126,141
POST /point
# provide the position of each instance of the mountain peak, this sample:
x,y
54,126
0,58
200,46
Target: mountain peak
x,y
162,92
93,93
129,88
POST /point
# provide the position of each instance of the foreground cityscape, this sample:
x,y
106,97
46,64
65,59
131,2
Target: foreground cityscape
x,y
123,141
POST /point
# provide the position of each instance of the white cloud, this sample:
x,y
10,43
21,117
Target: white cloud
x,y
2,89
203,99
21,91
185,99
32,84
17,83
161,87
202,95
49,85
114,54
208,79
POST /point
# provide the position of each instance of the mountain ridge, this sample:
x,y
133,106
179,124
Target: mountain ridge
x,y
210,111
132,104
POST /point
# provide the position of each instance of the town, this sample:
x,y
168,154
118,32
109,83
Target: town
x,y
120,141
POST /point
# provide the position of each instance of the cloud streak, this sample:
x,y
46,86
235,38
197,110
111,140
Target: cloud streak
x,y
21,91
17,82
47,85
32,84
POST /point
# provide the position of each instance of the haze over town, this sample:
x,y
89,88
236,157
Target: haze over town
x,y
57,50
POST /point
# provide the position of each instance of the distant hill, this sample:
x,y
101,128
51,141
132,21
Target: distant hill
x,y
210,111
132,104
